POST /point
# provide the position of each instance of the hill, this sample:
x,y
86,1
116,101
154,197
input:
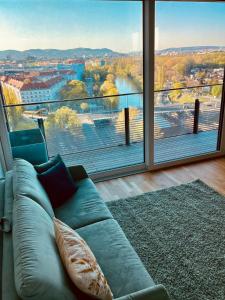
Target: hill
x,y
194,49
57,54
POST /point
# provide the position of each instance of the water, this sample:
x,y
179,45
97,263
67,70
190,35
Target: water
x,y
126,86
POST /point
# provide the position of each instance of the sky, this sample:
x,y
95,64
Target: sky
x,y
65,24
189,24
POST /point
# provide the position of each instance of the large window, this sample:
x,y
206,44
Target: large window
x,y
189,70
80,69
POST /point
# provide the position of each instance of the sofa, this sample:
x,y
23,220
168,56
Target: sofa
x,y
31,265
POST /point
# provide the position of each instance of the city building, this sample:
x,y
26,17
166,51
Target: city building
x,y
28,91
78,66
38,86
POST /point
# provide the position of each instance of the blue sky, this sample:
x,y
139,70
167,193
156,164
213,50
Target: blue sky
x,y
190,24
64,24
67,24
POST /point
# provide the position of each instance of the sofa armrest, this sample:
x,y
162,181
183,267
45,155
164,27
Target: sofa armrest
x,y
78,172
157,292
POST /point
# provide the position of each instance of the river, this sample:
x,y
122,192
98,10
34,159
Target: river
x,y
126,86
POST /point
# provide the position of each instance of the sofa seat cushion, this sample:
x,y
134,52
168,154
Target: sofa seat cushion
x,y
26,183
84,208
38,270
118,260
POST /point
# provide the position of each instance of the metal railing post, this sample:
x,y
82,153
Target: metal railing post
x,y
127,125
196,116
41,126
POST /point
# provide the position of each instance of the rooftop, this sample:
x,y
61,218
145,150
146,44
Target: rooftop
x,y
26,83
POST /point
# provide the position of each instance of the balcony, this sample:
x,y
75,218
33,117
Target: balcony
x,y
106,133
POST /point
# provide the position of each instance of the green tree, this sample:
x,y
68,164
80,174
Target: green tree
x,y
73,90
109,88
160,78
15,114
84,106
176,93
216,91
63,118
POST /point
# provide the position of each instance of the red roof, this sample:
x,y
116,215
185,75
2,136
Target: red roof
x,y
41,85
46,73
74,61
16,83
25,84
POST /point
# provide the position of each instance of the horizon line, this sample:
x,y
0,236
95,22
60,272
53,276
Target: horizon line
x,y
105,48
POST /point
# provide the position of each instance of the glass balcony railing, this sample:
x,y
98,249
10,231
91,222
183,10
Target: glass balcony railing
x,y
105,133
186,122
100,133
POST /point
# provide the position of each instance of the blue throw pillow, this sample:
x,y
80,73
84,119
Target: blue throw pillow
x,y
50,163
58,184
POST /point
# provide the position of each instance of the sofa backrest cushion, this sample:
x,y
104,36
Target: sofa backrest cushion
x,y
58,183
26,183
39,273
47,165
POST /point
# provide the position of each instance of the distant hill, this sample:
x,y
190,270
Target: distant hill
x,y
193,49
94,53
56,53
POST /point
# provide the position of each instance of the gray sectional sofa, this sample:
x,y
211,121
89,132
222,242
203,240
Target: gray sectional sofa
x,y
31,266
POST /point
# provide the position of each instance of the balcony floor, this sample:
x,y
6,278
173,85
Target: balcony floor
x,y
174,148
166,149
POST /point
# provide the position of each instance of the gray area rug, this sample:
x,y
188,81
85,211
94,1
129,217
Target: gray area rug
x,y
179,234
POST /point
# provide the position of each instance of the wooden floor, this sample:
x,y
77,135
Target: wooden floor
x,y
212,172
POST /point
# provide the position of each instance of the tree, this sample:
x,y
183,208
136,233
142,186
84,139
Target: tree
x,y
73,90
200,75
63,118
216,91
15,114
84,106
109,88
160,73
176,93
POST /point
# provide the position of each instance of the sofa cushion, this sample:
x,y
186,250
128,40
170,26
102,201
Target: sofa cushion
x,y
25,183
58,184
119,262
80,262
85,206
47,165
39,273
